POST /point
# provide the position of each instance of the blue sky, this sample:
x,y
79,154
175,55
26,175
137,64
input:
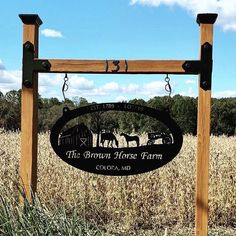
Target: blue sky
x,y
119,29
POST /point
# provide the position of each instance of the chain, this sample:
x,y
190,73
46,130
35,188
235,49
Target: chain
x,y
65,86
168,89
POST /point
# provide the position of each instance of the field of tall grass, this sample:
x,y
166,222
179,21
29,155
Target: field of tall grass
x,y
161,202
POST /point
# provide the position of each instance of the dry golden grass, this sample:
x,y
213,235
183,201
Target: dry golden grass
x,y
160,199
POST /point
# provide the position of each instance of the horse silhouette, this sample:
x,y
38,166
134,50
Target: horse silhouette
x,y
110,137
129,138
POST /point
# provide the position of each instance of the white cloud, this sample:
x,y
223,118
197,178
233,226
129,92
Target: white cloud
x,y
121,98
42,90
9,79
84,87
190,92
225,8
50,85
230,27
131,88
2,67
97,92
111,86
51,33
225,93
190,81
48,80
80,83
154,88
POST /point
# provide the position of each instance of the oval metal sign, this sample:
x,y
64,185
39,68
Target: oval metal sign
x,y
76,147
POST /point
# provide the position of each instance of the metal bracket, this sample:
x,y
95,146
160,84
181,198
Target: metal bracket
x,y
206,66
202,67
192,67
30,65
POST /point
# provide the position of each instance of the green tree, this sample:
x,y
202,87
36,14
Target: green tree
x,y
151,124
80,101
223,116
184,111
13,97
50,102
10,110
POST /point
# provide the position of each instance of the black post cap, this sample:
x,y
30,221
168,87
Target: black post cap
x,y
206,18
30,19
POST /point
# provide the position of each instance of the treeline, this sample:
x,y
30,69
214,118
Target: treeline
x,y
183,110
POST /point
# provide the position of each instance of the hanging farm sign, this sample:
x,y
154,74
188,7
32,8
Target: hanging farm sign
x,y
104,154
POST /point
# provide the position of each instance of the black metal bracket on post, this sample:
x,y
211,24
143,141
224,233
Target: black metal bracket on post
x,y
206,53
206,66
202,67
192,67
30,65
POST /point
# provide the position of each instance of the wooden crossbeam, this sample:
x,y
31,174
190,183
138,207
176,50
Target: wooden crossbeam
x,y
121,66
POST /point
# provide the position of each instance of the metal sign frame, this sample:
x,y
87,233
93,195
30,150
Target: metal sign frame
x,y
114,160
32,65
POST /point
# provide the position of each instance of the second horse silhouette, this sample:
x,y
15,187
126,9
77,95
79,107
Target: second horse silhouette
x,y
130,138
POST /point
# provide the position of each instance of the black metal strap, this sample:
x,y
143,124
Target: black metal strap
x,y
30,65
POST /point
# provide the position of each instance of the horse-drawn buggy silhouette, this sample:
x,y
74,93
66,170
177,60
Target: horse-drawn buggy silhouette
x,y
153,136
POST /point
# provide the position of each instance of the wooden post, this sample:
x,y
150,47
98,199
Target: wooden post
x,y
206,22
29,112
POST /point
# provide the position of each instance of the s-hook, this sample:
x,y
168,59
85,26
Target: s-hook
x,y
65,86
167,86
168,89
